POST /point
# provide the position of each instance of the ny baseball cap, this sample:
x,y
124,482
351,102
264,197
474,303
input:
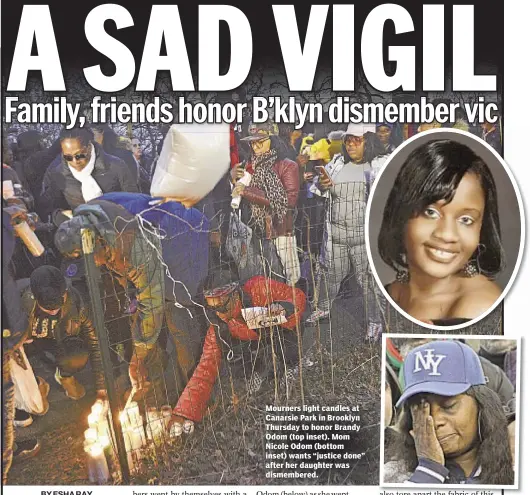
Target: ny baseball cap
x,y
445,368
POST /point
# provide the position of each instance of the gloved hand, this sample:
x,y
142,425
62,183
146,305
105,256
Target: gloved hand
x,y
178,425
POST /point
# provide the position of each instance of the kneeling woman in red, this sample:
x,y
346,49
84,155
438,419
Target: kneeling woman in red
x,y
249,315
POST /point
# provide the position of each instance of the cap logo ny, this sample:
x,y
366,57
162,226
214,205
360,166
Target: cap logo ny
x,y
428,362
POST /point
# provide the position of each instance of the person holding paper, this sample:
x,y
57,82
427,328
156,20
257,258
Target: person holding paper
x,y
277,307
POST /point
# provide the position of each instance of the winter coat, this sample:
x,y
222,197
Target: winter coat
x,y
185,247
347,200
74,321
60,190
288,173
130,256
261,292
35,165
429,472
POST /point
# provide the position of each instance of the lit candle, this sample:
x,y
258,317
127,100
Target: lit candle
x,y
98,470
97,408
93,419
155,424
124,420
103,428
91,434
104,441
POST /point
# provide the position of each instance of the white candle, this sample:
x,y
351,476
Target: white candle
x,y
93,419
155,425
98,470
97,408
91,434
167,412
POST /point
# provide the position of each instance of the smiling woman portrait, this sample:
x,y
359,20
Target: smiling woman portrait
x,y
441,234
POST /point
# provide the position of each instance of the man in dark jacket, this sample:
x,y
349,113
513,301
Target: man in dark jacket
x,y
83,172
59,323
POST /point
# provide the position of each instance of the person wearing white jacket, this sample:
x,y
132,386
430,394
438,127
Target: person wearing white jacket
x,y
346,183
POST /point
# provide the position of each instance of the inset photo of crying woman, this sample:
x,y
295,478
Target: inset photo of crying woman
x,y
445,229
450,407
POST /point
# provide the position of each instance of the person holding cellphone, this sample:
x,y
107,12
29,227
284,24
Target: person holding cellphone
x,y
346,181
441,233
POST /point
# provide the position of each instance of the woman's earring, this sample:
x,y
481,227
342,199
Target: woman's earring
x,y
402,274
470,269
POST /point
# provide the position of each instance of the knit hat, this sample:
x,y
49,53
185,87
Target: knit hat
x,y
320,151
221,284
48,287
261,131
445,368
68,237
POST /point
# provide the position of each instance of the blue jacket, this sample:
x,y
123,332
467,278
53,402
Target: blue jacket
x,y
185,245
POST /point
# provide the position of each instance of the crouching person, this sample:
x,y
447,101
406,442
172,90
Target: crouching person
x,y
127,253
245,314
59,324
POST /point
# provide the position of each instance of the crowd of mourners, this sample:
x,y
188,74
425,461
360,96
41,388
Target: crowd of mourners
x,y
281,232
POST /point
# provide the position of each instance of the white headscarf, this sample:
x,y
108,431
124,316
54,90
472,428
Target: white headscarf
x,y
89,187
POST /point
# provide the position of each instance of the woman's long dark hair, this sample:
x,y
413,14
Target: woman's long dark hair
x,y
494,455
432,173
372,148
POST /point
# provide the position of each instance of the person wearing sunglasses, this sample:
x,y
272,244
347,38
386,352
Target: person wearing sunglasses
x,y
83,171
272,196
260,322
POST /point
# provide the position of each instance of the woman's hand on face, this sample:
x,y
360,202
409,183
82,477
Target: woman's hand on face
x,y
427,444
324,183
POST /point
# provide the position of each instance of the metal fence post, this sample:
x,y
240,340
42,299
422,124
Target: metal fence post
x,y
93,278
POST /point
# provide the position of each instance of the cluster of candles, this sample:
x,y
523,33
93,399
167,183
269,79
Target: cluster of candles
x,y
98,435
97,439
